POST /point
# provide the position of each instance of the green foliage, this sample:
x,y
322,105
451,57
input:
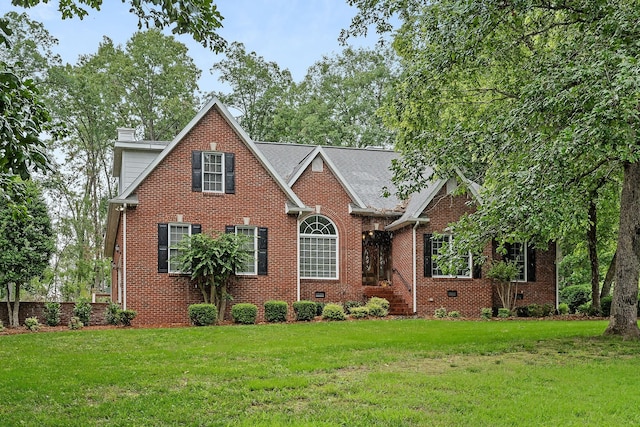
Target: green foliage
x,y
244,313
587,309
454,314
349,305
575,296
1,326
503,271
333,312
504,313
305,310
52,313
75,323
112,314
605,305
32,324
534,310
202,314
82,310
319,308
440,313
361,312
486,313
563,308
379,301
276,311
127,316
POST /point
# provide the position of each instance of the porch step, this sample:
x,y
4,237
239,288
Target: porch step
x,y
397,305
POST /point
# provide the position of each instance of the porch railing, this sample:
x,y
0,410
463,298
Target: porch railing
x,y
402,279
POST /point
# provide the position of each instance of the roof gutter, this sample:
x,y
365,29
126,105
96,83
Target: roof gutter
x,y
355,210
411,221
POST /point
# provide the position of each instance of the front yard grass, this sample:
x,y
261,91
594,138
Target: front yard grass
x,y
365,373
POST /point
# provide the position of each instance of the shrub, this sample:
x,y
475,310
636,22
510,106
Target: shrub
x,y
535,310
305,310
547,310
275,311
82,310
522,311
563,308
244,313
376,309
112,315
319,308
127,316
485,313
32,324
1,326
440,313
359,312
380,301
454,314
75,323
575,296
52,313
202,314
503,313
333,312
587,309
605,305
349,305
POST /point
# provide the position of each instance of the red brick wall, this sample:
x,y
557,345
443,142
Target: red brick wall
x,y
402,259
324,190
161,298
36,309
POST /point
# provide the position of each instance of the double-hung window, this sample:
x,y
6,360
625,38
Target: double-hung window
x,y
250,247
213,172
517,253
434,248
318,248
177,232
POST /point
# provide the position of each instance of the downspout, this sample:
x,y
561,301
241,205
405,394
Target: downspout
x,y
124,256
298,256
415,267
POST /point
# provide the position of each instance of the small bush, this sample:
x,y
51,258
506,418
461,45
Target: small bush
x,y
244,313
52,313
275,311
203,314
127,316
75,323
1,326
360,312
333,312
563,308
547,310
587,309
319,308
376,309
535,310
112,315
486,313
305,310
32,324
82,310
379,301
440,313
605,305
575,296
522,311
503,313
454,314
348,305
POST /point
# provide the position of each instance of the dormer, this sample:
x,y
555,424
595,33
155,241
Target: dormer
x,y
131,156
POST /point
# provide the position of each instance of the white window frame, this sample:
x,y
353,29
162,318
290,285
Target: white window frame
x,y
520,258
318,242
435,270
253,253
173,246
206,181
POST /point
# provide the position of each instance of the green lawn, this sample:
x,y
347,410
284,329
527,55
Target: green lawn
x,y
364,373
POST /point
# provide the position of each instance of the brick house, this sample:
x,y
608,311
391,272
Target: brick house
x,y
321,228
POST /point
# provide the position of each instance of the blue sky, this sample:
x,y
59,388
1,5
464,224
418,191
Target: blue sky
x,y
292,33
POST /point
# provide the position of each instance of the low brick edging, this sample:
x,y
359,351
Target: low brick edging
x,y
36,309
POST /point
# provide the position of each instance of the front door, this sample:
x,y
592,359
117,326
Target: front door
x,y
376,257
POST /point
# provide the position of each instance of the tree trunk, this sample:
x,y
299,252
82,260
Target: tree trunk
x,y
624,315
223,301
13,312
608,279
592,242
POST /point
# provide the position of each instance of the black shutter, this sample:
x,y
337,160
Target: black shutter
x,y
476,270
163,248
230,229
196,228
262,251
531,264
196,171
229,173
427,255
508,248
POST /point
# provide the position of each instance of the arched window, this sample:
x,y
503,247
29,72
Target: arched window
x,y
318,248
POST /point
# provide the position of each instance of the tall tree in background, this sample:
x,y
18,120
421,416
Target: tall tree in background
x,y
149,85
544,94
258,89
26,244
